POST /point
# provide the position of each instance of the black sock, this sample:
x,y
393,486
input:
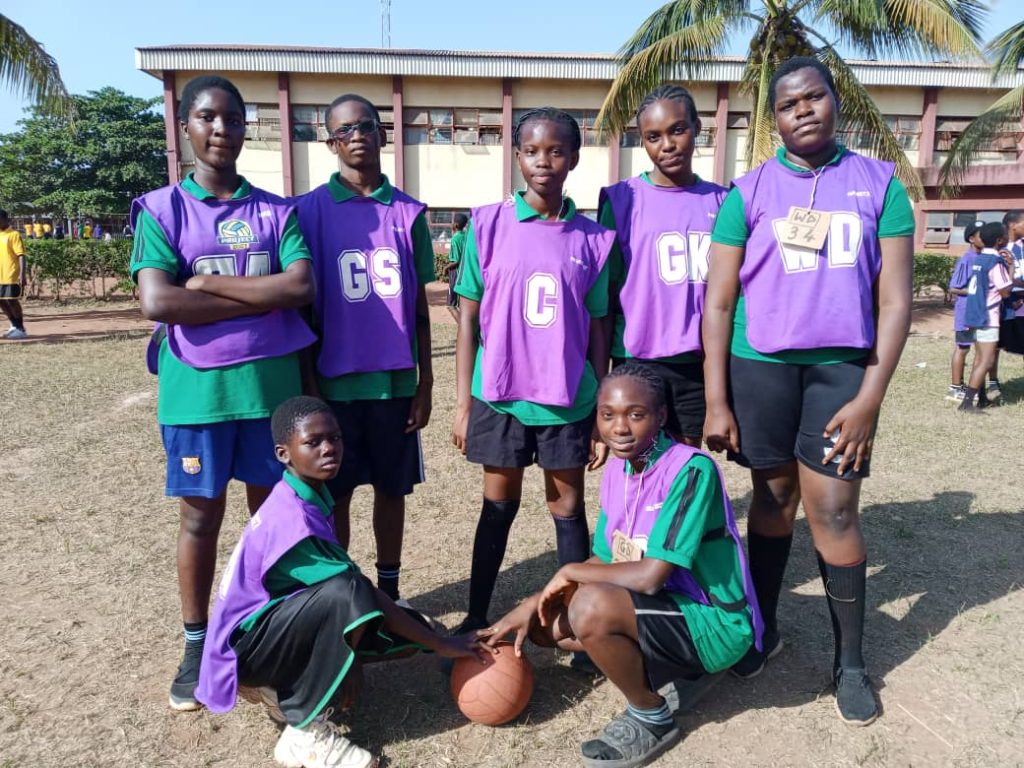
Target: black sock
x,y
969,394
844,590
572,537
195,633
768,558
496,518
387,578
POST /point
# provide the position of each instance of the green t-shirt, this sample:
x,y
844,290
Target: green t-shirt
x,y
720,636
896,220
382,385
456,246
250,390
471,286
618,270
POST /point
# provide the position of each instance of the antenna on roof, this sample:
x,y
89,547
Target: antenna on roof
x,y
385,23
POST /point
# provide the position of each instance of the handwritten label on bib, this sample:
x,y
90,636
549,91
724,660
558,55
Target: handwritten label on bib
x,y
806,228
624,549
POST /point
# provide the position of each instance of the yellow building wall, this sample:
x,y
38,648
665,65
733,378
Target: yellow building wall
x,y
633,161
898,101
262,167
323,89
959,103
577,94
453,176
451,92
735,151
313,164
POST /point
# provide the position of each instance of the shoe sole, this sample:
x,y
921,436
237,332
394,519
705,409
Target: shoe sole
x,y
855,723
184,705
771,655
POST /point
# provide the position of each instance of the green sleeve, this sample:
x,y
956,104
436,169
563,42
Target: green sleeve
x,y
897,219
731,223
456,246
616,265
470,283
601,548
151,249
423,250
293,245
309,562
596,299
694,499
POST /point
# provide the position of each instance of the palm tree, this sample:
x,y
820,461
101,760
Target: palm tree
x,y
1007,54
30,71
687,35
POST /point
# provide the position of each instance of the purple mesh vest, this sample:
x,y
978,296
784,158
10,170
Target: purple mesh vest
x,y
960,279
225,237
665,237
281,522
365,266
800,298
618,489
534,324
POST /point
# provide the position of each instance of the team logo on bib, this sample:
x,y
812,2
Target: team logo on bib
x,y
191,465
236,233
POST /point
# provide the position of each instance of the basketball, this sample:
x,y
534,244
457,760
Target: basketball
x,y
496,691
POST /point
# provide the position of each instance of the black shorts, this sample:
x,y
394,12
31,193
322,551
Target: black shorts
x,y
10,291
500,440
1011,335
665,640
782,409
453,277
378,451
301,649
684,394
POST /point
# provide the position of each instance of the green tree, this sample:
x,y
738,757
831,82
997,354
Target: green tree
x,y
113,152
30,71
687,35
1006,52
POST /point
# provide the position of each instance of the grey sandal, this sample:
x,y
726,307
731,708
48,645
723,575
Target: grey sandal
x,y
631,739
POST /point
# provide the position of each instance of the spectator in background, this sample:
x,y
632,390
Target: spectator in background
x,y
12,277
958,284
58,230
97,232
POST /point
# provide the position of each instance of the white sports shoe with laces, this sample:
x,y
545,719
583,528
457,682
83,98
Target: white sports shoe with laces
x,y
320,745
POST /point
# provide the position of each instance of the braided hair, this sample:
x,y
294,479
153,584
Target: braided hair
x,y
198,85
795,64
551,114
669,92
291,412
645,376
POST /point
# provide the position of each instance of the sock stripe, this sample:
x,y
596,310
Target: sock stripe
x,y
660,716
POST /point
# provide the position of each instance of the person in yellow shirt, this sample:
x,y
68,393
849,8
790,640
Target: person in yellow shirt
x,y
12,277
37,230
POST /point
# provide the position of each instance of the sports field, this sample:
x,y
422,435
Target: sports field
x,y
91,631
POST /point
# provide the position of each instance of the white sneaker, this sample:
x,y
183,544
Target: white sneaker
x,y
16,333
319,745
6,333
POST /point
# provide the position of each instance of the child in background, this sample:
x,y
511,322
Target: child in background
x,y
294,615
456,247
667,593
12,277
1011,332
958,287
989,284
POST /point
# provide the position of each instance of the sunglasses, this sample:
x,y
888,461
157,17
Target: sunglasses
x,y
344,132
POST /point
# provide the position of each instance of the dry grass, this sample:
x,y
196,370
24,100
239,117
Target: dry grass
x,y
91,633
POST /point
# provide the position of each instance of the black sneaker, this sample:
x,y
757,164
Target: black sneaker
x,y
753,663
855,698
183,689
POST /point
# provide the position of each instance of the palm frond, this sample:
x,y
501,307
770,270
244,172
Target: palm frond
x,y
672,17
30,71
918,29
859,110
981,130
1007,50
760,134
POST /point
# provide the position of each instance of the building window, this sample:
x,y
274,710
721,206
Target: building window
x,y
706,139
906,129
440,223
467,126
938,225
309,122
262,122
1005,142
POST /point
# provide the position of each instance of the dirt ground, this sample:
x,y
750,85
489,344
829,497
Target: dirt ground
x,y
91,634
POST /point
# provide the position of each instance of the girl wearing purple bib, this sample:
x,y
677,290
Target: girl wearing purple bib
x,y
819,240
958,287
663,220
667,594
530,348
222,268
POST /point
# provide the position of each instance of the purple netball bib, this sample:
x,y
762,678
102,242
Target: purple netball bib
x,y
534,323
665,237
365,265
802,298
632,504
281,522
225,237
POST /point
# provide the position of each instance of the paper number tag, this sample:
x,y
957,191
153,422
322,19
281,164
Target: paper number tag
x,y
806,228
624,549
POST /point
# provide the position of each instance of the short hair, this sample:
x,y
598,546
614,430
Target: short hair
x,y
795,64
347,97
653,383
972,229
198,85
3,214
461,220
669,92
550,114
291,412
1012,217
991,233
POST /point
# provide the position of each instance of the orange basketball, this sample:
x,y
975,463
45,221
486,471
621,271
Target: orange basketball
x,y
496,691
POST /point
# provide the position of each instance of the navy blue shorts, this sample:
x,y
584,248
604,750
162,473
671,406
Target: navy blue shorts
x,y
202,458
